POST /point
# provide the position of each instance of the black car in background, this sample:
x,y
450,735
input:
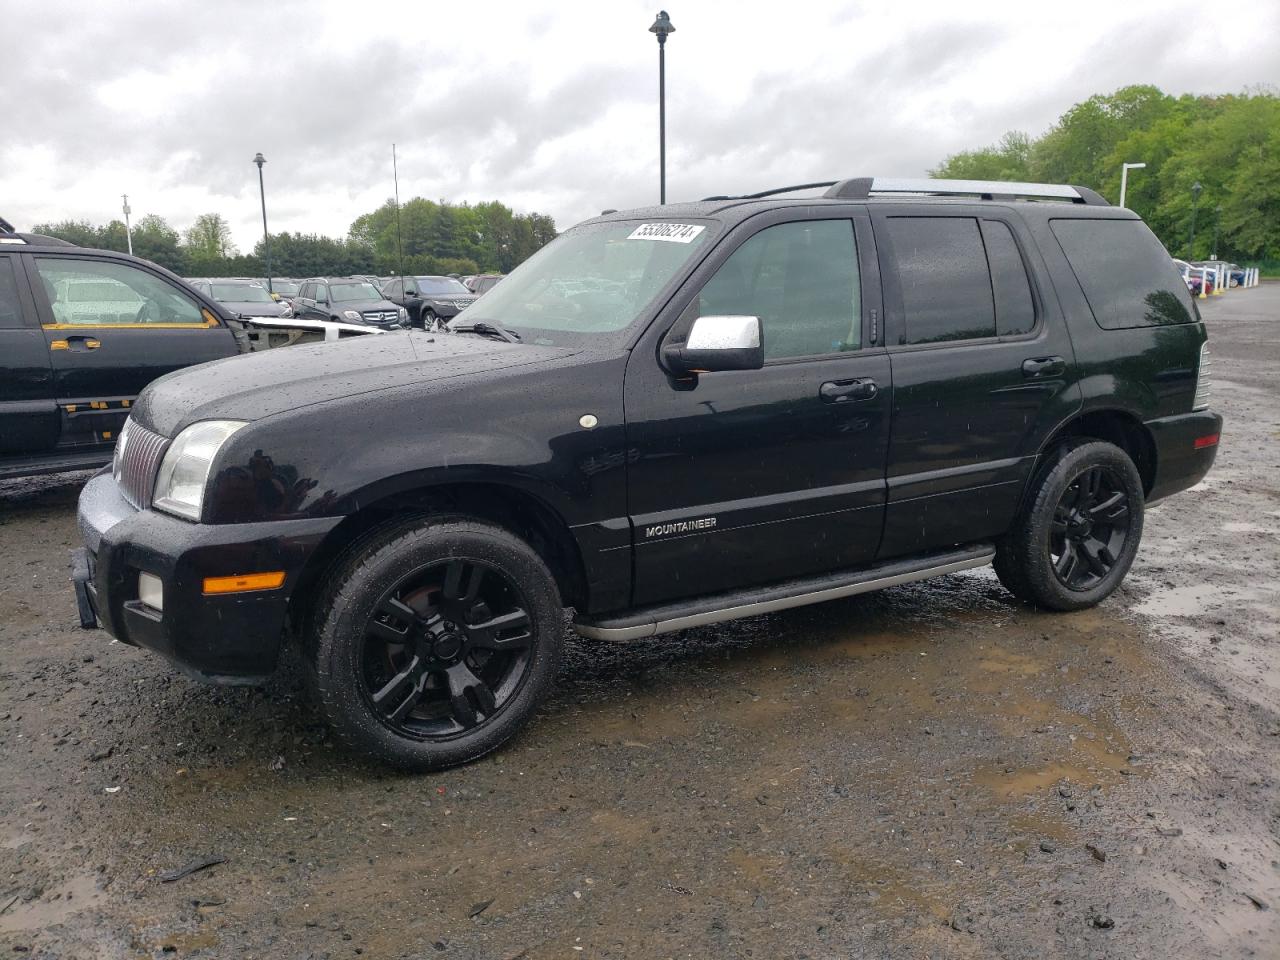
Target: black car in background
x,y
484,282
347,300
244,298
284,289
81,333
429,299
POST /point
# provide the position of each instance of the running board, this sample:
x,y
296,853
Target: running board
x,y
701,611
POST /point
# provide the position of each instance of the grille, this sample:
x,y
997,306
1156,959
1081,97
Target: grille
x,y
138,455
381,316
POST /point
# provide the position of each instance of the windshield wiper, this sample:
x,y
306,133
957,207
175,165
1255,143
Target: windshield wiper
x,y
487,328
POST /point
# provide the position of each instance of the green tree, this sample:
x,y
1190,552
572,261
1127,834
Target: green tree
x,y
209,236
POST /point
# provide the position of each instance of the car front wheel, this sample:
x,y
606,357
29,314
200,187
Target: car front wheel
x,y
436,640
1077,536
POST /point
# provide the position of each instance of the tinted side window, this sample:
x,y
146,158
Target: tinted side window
x,y
1015,310
801,280
103,293
10,306
1127,276
946,288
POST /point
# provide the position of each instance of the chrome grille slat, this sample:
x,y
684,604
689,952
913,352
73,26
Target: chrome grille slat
x,y
140,464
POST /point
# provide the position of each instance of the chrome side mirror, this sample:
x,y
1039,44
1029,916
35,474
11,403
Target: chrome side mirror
x,y
718,343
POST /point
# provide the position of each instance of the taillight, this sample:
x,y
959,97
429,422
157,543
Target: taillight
x,y
1201,400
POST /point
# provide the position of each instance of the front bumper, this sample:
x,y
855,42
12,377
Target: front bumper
x,y
227,638
1183,457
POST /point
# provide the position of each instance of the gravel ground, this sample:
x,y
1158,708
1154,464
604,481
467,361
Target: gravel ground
x,y
932,771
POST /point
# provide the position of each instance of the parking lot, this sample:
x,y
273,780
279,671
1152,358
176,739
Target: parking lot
x,y
931,771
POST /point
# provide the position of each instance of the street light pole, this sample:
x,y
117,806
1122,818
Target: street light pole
x,y
662,28
1124,177
1217,218
128,231
266,237
1195,202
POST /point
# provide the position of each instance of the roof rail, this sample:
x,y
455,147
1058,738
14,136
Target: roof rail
x,y
861,188
770,193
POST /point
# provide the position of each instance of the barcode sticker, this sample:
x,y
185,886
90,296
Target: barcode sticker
x,y
670,232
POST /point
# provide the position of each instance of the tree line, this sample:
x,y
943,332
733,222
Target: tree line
x,y
1229,144
432,238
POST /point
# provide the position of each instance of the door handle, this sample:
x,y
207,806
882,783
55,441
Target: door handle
x,y
1043,367
844,391
77,344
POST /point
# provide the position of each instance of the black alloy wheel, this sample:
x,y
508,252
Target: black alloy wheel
x,y
1078,530
1090,525
446,648
434,639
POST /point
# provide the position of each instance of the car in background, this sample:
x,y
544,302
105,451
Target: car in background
x,y
244,298
429,300
349,300
484,282
1194,276
283,289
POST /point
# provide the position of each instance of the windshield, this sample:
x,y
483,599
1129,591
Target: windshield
x,y
346,292
239,293
484,284
439,285
595,279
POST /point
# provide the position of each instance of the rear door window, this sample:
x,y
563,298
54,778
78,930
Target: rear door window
x,y
1127,277
1015,308
942,271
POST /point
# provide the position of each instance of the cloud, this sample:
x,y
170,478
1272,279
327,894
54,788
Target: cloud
x,y
551,110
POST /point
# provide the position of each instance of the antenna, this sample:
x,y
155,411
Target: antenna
x,y
395,172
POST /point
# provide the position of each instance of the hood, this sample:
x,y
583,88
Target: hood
x,y
253,308
263,384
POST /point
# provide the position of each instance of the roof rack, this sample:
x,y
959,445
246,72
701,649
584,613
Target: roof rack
x,y
862,188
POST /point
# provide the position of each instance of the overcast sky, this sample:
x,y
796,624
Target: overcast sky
x,y
552,111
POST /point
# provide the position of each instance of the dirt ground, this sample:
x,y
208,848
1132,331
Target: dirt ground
x,y
932,771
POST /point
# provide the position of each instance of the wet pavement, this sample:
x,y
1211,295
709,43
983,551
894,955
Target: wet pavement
x,y
931,771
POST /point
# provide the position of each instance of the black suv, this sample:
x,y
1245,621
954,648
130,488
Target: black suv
x,y
429,300
81,333
666,418
347,300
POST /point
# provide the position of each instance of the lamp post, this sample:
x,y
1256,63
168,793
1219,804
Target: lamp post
x,y
1195,202
266,237
662,28
128,231
1217,218
1124,177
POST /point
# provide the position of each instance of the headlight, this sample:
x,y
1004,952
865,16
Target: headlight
x,y
404,314
352,315
185,470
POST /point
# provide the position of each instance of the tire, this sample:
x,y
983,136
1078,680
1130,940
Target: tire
x,y
1075,539
435,640
429,320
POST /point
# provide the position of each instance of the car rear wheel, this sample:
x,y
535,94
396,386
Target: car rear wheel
x,y
1076,539
436,640
429,320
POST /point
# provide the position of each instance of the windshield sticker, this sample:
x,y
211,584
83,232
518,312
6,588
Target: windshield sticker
x,y
671,232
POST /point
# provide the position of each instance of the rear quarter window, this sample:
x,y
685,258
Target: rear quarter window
x,y
1127,276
